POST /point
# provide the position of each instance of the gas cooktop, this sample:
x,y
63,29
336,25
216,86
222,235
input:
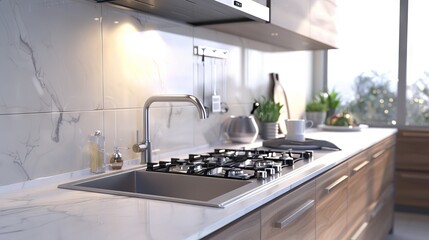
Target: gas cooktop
x,y
233,163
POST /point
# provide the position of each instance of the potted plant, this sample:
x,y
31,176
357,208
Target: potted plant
x,y
332,101
315,111
268,114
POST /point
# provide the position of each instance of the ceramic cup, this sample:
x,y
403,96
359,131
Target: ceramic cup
x,y
296,129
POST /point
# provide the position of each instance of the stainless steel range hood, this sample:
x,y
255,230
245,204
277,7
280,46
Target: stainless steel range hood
x,y
260,20
201,12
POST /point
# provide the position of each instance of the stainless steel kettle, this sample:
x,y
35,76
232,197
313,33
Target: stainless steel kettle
x,y
242,129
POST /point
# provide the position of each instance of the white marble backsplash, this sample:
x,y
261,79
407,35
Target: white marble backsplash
x,y
70,67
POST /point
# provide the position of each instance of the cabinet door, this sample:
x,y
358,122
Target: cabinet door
x,y
382,171
291,216
358,197
245,228
331,208
323,21
381,216
292,15
412,188
412,150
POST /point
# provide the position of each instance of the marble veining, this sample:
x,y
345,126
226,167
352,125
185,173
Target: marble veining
x,y
70,67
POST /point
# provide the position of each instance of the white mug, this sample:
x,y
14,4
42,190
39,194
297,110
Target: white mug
x,y
296,129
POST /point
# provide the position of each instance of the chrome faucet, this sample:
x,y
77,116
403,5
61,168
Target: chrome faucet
x,y
145,147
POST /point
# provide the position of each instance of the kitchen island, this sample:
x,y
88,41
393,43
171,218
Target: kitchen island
x,y
46,212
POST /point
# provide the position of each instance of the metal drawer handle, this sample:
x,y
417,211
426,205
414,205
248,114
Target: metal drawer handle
x,y
282,223
377,209
378,154
359,232
336,183
362,165
414,176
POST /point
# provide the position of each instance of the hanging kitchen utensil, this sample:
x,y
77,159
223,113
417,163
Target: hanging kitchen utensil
x,y
279,95
216,101
204,83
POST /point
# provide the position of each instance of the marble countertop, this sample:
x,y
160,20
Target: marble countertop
x,y
46,212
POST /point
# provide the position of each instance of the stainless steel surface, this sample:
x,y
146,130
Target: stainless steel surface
x,y
242,129
145,147
207,191
198,12
191,189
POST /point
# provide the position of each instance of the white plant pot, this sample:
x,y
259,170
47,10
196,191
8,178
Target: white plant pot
x,y
317,118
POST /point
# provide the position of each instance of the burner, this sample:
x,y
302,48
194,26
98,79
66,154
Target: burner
x,y
233,163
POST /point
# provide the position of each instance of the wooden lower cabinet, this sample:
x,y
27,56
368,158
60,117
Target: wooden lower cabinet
x,y
246,228
380,220
412,169
358,196
291,216
382,168
412,188
354,200
331,203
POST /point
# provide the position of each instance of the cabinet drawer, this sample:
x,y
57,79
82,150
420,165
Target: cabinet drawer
x,y
330,182
245,228
358,196
412,150
412,188
382,171
331,208
291,216
380,220
380,147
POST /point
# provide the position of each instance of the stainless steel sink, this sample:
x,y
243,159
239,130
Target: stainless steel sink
x,y
199,190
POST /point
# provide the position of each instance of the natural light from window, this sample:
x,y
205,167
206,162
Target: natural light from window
x,y
364,70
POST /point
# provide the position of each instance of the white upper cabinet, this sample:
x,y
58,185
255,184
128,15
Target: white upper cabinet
x,y
294,25
323,21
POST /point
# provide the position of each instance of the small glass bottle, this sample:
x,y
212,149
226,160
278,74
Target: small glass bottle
x,y
96,151
116,161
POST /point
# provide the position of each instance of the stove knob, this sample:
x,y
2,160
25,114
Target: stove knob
x,y
164,164
174,160
288,161
261,174
151,166
277,168
308,154
270,171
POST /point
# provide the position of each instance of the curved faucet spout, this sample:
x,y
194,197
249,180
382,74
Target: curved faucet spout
x,y
177,98
145,147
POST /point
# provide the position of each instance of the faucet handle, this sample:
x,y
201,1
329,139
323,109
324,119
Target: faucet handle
x,y
139,146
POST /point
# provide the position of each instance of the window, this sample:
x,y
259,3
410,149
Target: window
x,y
417,75
364,70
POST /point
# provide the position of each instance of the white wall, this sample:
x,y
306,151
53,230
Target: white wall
x,y
65,73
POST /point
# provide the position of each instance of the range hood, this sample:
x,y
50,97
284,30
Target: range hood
x,y
260,20
201,12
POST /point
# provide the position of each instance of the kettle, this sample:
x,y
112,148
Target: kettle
x,y
242,129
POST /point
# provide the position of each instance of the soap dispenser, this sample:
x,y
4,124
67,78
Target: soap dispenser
x,y
96,148
116,161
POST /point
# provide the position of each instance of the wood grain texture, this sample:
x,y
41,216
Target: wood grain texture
x,y
412,168
382,173
331,209
302,226
412,150
246,228
412,188
381,216
358,195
